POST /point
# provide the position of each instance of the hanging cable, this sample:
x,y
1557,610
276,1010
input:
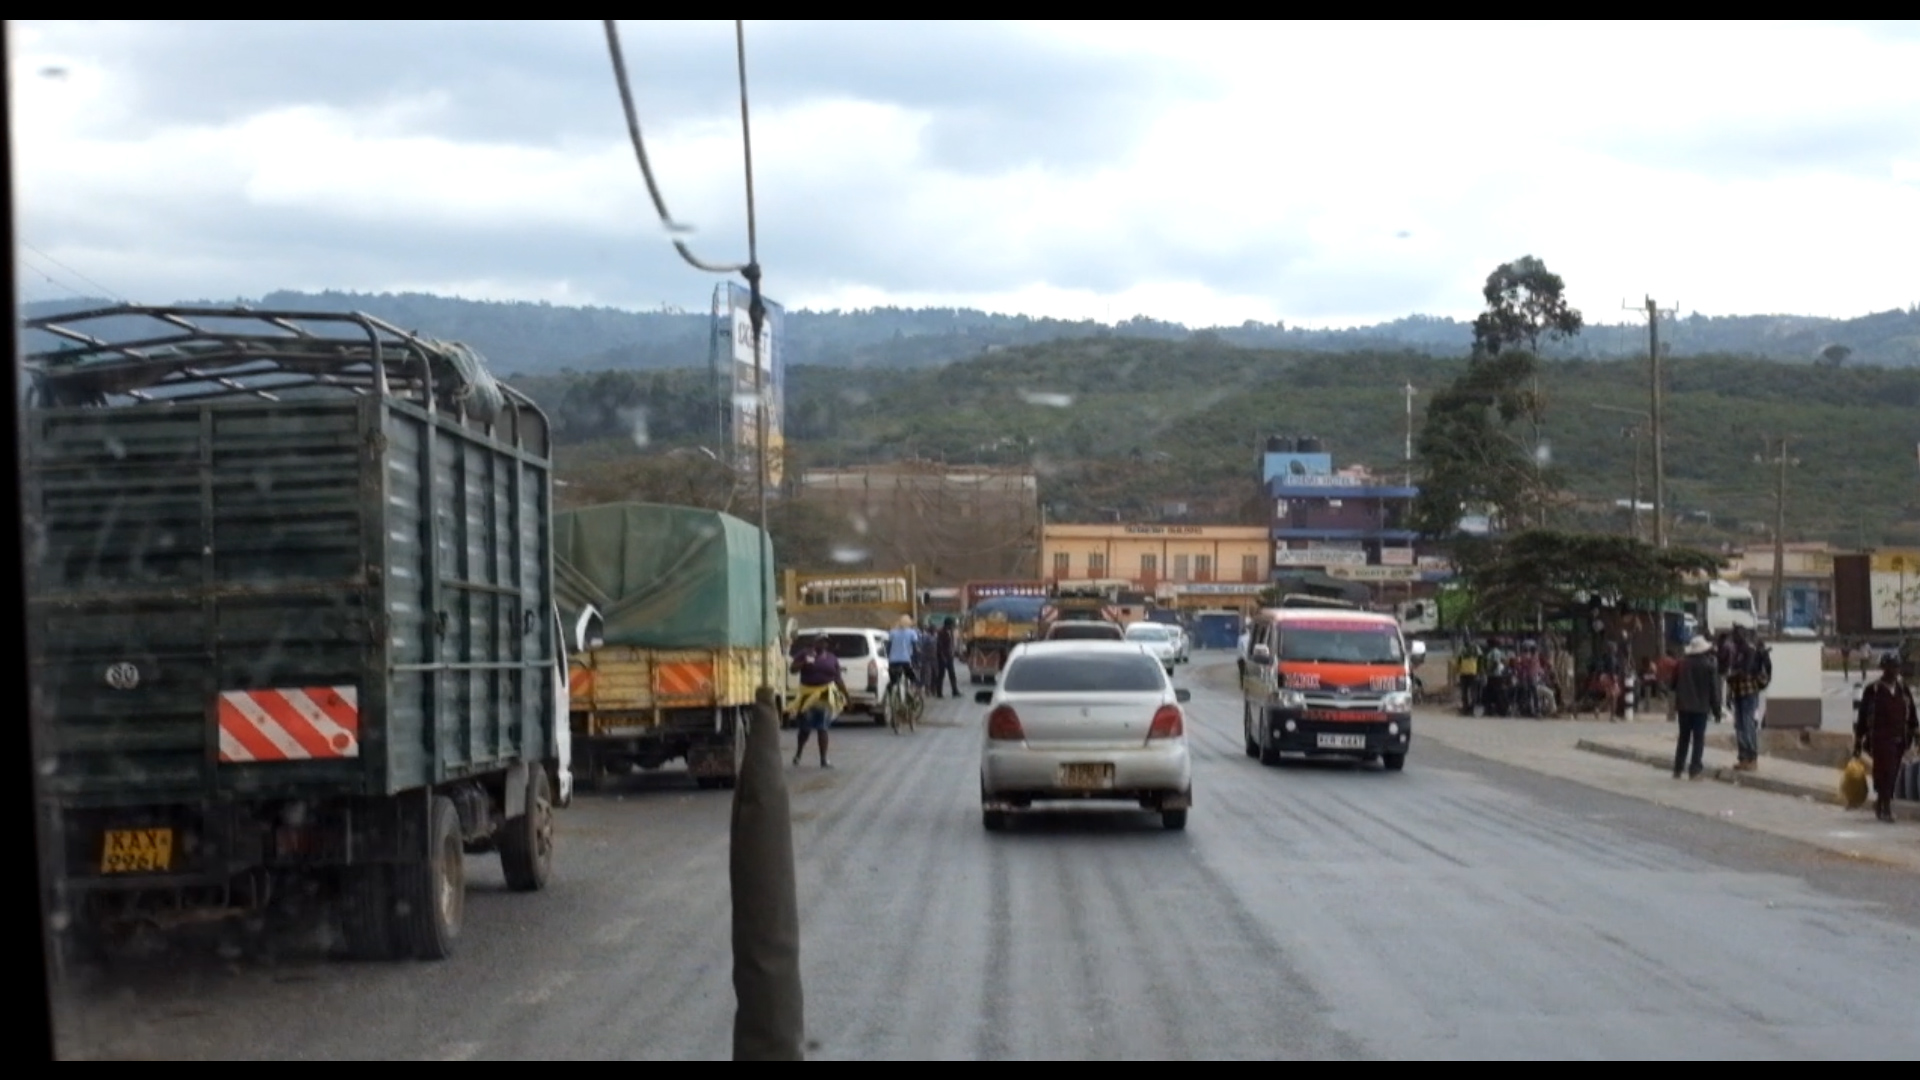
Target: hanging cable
x,y
104,291
750,270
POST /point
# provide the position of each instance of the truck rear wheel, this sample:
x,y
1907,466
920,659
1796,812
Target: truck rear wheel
x,y
430,895
526,842
366,913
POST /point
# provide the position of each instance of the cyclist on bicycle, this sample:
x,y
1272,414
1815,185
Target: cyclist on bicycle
x,y
903,644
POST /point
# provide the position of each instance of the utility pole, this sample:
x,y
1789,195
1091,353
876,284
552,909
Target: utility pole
x,y
1633,517
1409,458
1781,461
1654,311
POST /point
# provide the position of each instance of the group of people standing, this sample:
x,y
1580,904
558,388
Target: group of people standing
x,y
913,655
1501,677
1733,671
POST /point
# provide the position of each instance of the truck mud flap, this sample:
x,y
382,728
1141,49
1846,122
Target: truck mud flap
x,y
714,761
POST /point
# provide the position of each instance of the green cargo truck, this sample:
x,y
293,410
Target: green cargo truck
x,y
687,629
291,619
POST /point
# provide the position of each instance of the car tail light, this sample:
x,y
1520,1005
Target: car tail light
x,y
873,675
1167,723
1004,724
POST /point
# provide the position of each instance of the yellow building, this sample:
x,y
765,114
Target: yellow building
x,y
1157,559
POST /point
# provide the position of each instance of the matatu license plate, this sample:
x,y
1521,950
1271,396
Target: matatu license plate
x,y
1343,742
137,851
1087,776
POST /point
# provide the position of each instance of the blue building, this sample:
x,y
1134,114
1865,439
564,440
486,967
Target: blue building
x,y
1344,522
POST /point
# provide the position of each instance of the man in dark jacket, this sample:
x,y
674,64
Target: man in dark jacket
x,y
943,654
1887,724
1744,683
1697,694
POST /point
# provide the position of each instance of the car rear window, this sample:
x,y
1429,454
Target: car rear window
x,y
1148,633
849,646
1083,632
1106,673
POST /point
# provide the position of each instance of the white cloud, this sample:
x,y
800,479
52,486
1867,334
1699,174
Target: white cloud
x,y
1204,173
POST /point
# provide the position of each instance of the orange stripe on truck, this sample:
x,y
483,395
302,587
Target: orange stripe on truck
x,y
316,723
683,679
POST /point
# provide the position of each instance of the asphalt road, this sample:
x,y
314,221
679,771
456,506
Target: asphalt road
x,y
1459,909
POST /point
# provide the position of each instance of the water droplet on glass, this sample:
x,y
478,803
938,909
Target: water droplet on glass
x,y
636,421
60,921
116,448
49,766
859,523
847,554
1052,401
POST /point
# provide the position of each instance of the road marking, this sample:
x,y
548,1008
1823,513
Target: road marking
x,y
553,985
617,932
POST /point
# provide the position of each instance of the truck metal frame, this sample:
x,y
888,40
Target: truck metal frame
x,y
290,615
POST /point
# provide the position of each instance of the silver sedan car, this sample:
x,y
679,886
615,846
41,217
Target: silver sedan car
x,y
1085,721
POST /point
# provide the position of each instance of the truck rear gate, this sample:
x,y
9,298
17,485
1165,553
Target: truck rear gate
x,y
272,634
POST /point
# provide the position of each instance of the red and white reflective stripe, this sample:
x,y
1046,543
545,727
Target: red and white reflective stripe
x,y
311,724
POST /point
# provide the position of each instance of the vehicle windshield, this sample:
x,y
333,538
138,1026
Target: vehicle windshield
x,y
1084,674
1340,643
1087,631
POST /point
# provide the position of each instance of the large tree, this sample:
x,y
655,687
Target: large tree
x,y
1526,302
1470,458
1516,578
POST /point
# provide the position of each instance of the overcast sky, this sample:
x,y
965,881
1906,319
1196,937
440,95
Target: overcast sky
x,y
1323,175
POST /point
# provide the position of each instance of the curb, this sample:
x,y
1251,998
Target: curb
x,y
1902,810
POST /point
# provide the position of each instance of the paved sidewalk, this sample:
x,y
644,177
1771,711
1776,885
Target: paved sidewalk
x,y
1785,798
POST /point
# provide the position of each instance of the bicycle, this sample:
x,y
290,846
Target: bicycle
x,y
905,702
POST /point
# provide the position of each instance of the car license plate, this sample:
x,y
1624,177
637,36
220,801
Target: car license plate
x,y
137,851
1343,742
1086,776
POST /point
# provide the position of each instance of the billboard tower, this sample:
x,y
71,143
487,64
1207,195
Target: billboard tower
x,y
734,368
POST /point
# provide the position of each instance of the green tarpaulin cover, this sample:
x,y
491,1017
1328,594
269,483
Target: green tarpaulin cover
x,y
666,577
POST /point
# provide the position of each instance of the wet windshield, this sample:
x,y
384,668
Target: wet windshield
x,y
358,361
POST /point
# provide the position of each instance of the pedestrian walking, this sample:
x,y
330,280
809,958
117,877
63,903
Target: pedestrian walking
x,y
1469,666
1696,695
1743,687
1496,665
1887,726
943,652
817,706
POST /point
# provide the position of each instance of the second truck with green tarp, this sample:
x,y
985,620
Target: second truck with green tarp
x,y
684,630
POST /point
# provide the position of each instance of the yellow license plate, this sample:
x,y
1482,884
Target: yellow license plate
x,y
1086,776
137,851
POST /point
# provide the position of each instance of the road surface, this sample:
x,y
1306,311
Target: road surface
x,y
1460,909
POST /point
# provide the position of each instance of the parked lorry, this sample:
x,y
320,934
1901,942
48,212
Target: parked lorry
x,y
687,632
999,615
1719,607
1876,602
290,620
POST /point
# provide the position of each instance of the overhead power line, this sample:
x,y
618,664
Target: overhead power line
x,y
111,294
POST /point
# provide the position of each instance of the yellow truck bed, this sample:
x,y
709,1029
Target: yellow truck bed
x,y
621,690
